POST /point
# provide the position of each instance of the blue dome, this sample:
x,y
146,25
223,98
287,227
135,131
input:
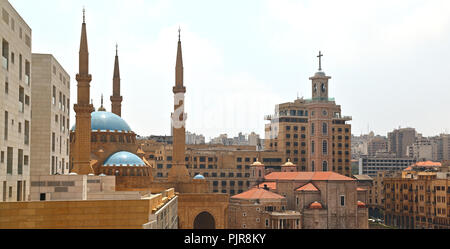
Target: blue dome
x,y
199,177
107,121
123,158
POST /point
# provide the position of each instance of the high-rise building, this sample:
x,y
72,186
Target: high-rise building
x,y
51,116
312,133
376,144
15,105
400,139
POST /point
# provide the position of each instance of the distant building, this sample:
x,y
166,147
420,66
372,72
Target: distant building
x,y
192,138
400,139
383,162
377,144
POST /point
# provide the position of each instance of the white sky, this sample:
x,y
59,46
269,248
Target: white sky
x,y
388,59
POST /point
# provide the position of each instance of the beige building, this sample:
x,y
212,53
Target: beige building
x,y
377,144
51,116
419,197
89,202
15,105
312,133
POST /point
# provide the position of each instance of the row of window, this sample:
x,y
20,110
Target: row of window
x,y
26,134
63,103
9,57
10,22
22,160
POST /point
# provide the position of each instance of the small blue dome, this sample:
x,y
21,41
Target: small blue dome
x,y
107,121
199,177
123,158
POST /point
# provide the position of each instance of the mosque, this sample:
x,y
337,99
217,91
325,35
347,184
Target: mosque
x,y
102,143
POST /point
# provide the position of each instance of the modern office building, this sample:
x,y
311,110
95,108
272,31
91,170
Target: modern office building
x,y
383,162
15,105
51,116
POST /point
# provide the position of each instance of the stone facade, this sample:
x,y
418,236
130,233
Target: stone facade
x,y
322,200
312,132
15,105
419,197
51,109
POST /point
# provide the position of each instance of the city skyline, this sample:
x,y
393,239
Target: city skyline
x,y
267,69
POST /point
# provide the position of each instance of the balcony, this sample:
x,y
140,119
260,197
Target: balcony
x,y
5,63
27,80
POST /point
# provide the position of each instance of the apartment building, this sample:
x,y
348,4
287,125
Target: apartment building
x,y
419,198
51,119
370,165
15,105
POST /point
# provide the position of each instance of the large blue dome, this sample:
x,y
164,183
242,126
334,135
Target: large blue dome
x,y
123,158
107,121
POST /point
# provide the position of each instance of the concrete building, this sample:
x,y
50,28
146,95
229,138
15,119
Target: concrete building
x,y
15,105
192,138
422,149
89,202
294,200
51,116
383,162
312,132
419,197
400,139
377,144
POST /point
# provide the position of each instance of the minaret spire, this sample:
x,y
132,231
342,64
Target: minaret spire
x,y
116,99
179,173
102,108
83,109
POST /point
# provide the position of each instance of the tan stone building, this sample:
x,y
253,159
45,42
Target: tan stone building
x,y
309,200
15,104
419,197
51,116
312,132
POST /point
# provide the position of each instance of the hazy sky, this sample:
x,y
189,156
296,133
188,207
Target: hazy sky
x,y
389,60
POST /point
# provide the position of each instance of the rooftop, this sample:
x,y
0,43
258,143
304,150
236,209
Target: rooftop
x,y
257,193
307,187
308,176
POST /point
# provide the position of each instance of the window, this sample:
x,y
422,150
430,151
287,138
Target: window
x,y
324,128
20,162
342,200
313,166
6,126
27,72
312,129
27,133
324,147
324,166
53,141
5,54
9,161
6,85
312,147
54,95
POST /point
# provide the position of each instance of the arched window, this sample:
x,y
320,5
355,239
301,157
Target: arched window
x,y
112,138
324,147
128,139
313,167
103,139
312,129
120,139
324,128
324,166
94,138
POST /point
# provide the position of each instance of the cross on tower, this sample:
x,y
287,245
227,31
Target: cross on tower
x,y
320,60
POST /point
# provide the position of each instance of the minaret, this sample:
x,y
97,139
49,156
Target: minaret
x,y
116,99
101,108
179,172
83,110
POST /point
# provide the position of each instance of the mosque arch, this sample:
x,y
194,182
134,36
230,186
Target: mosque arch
x,y
204,220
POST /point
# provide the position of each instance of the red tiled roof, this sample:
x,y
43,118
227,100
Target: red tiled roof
x,y
361,189
307,187
409,168
257,193
270,185
427,164
315,205
308,176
